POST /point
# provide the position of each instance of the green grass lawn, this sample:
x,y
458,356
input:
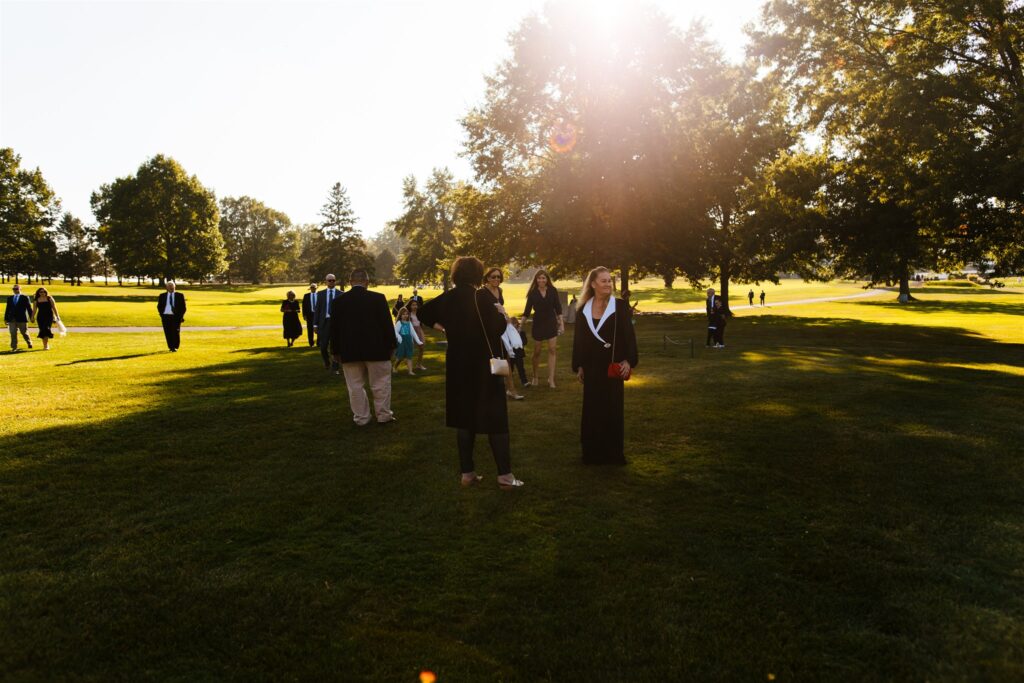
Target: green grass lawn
x,y
838,495
110,305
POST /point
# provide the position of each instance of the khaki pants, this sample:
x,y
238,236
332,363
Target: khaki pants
x,y
378,375
15,328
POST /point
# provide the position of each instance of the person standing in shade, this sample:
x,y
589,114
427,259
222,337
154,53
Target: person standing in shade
x,y
290,318
309,311
474,398
44,310
417,326
415,297
762,297
362,339
542,300
17,316
750,297
515,345
171,305
709,305
324,300
399,305
603,342
718,321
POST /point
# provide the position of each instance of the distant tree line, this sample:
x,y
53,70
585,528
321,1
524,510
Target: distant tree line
x,y
161,223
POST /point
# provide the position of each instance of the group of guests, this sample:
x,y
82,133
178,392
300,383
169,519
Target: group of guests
x,y
21,310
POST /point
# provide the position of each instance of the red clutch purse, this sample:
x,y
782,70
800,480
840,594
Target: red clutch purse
x,y
615,372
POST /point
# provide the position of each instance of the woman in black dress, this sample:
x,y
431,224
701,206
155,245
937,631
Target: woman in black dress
x,y
542,299
603,334
45,311
290,320
474,398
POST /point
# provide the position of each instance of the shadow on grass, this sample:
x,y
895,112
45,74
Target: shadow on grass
x,y
823,500
945,306
109,358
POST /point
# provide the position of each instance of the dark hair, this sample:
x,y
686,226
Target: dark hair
x,y
533,283
467,270
359,275
497,270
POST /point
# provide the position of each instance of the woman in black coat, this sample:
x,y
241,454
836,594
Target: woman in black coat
x,y
474,398
603,335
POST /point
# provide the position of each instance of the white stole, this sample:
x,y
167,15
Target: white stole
x,y
588,307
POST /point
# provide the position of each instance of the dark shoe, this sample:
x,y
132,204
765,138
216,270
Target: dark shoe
x,y
29,344
471,482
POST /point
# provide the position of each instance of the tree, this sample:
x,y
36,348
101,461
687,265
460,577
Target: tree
x,y
581,147
384,267
160,222
428,224
339,248
77,255
920,106
28,207
388,239
254,238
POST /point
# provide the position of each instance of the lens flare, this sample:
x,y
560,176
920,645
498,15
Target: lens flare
x,y
562,137
427,677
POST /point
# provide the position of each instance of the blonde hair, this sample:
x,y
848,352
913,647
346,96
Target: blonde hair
x,y
587,293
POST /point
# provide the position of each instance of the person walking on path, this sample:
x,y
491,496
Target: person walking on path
x,y
44,310
362,339
709,305
290,318
324,300
750,297
171,306
762,297
474,397
542,300
604,353
407,339
309,311
17,315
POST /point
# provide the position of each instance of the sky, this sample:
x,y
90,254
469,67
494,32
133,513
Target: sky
x,y
274,100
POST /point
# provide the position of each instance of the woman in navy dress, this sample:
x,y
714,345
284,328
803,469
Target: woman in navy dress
x,y
45,311
542,300
290,319
603,335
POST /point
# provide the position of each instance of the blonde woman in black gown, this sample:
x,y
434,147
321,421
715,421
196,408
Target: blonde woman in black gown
x,y
44,309
603,335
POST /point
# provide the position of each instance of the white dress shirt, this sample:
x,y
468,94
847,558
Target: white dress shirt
x,y
169,307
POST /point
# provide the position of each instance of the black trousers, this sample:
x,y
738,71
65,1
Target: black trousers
x,y
519,363
323,338
712,335
309,332
172,330
500,448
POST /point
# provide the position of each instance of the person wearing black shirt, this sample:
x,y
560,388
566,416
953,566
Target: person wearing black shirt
x,y
542,300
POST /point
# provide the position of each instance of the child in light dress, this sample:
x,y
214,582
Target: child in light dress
x,y
407,341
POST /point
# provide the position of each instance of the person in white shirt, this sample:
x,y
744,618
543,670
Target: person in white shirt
x,y
322,322
515,344
171,307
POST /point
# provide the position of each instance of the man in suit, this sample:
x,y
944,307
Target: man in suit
x,y
416,297
309,310
171,306
710,306
322,322
17,315
362,340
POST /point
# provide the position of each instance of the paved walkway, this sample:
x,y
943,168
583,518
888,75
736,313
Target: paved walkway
x,y
796,302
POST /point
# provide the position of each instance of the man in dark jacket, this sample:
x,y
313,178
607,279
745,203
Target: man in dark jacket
x,y
362,339
171,306
17,315
309,311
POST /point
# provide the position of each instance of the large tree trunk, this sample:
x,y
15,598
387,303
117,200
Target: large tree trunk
x,y
624,276
725,270
905,296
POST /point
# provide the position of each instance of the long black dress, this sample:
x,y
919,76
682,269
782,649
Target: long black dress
x,y
546,310
290,320
602,428
474,398
44,318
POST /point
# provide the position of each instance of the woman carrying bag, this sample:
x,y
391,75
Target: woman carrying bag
x,y
604,354
474,395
